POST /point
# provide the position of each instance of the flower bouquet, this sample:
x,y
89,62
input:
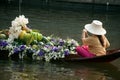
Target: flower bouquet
x,y
21,42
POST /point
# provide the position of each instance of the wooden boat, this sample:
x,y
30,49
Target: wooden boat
x,y
111,55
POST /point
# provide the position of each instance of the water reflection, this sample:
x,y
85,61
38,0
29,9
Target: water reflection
x,y
57,71
95,71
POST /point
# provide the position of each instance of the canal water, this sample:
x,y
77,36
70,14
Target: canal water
x,y
62,23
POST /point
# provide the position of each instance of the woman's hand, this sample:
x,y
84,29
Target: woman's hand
x,y
84,30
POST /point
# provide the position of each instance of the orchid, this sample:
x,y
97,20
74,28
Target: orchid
x,y
40,50
20,50
3,44
60,49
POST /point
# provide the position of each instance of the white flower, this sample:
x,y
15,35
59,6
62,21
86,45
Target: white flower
x,y
14,33
15,24
75,42
21,20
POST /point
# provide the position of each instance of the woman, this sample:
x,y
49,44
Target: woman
x,y
94,44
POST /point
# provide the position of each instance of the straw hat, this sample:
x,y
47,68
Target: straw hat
x,y
95,28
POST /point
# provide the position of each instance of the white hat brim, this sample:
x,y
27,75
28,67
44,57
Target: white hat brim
x,y
94,30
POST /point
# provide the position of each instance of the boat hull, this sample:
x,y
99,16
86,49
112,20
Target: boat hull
x,y
111,55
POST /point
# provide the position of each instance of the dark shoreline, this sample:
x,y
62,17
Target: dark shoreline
x,y
63,5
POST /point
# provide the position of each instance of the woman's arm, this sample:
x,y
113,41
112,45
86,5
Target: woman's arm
x,y
106,42
84,33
